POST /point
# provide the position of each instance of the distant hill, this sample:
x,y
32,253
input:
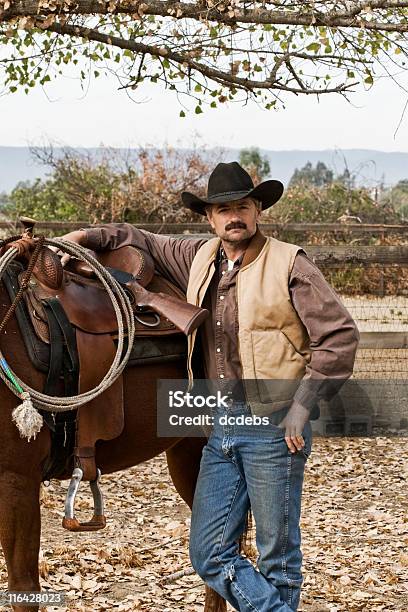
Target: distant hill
x,y
371,167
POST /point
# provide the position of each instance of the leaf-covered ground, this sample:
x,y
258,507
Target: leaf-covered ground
x,y
355,536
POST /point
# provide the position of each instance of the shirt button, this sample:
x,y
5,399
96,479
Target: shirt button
x,y
221,375
218,322
218,350
221,297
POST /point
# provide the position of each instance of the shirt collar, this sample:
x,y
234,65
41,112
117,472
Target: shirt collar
x,y
222,258
254,248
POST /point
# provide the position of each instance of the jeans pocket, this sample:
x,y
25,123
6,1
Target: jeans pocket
x,y
307,449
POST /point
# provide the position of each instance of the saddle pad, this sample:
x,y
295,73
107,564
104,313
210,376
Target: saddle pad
x,y
38,351
89,307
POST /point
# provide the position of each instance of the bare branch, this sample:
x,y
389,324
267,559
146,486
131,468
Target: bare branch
x,y
363,15
224,78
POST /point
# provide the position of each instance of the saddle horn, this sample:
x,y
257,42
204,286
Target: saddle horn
x,y
28,226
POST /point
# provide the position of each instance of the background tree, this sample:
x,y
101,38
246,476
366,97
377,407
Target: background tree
x,y
397,197
256,164
347,179
318,176
211,50
144,186
302,203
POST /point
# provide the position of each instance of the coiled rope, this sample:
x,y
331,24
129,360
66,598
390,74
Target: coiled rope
x,y
124,317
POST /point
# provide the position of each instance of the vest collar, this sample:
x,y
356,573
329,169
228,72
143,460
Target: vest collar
x,y
254,248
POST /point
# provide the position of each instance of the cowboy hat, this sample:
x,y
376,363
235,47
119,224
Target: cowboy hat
x,y
229,182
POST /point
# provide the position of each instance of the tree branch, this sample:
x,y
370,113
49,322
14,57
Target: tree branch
x,y
224,78
231,15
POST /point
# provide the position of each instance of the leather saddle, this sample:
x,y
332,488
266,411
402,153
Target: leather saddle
x,y
86,320
84,299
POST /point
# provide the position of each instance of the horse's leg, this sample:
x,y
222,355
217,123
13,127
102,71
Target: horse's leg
x,y
183,460
20,471
20,531
20,479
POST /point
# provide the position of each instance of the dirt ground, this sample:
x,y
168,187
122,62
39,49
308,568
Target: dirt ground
x,y
355,536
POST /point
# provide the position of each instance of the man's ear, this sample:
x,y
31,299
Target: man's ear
x,y
258,212
208,212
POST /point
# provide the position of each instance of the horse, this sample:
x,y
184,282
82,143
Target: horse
x,y
21,462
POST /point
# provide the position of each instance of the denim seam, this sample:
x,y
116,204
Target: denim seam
x,y
226,521
233,584
286,518
290,595
291,583
250,606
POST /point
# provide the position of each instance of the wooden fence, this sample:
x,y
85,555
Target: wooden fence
x,y
267,228
327,256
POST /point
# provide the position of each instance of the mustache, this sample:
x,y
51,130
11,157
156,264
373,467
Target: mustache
x,y
236,225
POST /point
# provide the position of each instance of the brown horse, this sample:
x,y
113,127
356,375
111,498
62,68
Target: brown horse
x,y
21,461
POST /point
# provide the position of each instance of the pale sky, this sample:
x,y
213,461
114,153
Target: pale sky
x,y
107,116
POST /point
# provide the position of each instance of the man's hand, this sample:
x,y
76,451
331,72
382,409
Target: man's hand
x,y
77,236
140,294
294,422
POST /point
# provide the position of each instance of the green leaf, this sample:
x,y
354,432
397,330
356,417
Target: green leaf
x,y
182,114
198,110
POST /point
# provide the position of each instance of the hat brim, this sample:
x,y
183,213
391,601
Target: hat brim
x,y
268,193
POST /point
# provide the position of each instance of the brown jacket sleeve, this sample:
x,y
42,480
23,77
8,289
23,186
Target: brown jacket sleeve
x,y
172,256
333,333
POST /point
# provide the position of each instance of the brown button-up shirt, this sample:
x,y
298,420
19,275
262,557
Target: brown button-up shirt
x,y
332,332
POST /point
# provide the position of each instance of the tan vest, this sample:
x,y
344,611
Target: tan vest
x,y
274,346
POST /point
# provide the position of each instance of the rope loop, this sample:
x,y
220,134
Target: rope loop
x,y
124,316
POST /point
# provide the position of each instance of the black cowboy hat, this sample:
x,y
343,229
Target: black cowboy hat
x,y
230,182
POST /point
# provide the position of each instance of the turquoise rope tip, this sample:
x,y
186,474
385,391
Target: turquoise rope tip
x,y
5,367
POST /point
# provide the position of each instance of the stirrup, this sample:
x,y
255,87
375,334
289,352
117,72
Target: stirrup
x,y
98,520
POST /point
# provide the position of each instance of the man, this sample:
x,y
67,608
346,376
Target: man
x,y
278,331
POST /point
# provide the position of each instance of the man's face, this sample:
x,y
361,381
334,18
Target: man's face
x,y
234,221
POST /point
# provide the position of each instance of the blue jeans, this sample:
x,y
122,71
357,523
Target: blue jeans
x,y
242,466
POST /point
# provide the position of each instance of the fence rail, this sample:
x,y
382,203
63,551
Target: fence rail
x,y
383,340
176,228
327,256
